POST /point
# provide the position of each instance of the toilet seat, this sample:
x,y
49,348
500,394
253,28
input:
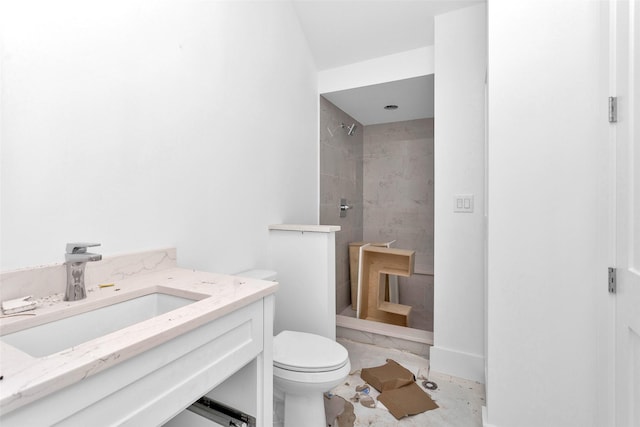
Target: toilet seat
x,y
315,379
307,353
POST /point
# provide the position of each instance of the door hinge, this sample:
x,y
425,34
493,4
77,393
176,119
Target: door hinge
x,y
612,280
613,109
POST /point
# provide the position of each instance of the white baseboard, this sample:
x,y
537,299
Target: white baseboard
x,y
457,363
485,418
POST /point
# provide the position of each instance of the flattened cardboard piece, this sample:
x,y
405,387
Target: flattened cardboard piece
x,y
367,402
338,412
348,416
333,407
407,400
389,376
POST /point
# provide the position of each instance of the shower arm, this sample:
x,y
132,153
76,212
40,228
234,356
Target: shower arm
x,y
350,129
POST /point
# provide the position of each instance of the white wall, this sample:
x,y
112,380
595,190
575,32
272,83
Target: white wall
x,y
142,124
548,157
460,70
389,68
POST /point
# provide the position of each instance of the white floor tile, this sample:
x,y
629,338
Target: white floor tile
x,y
460,401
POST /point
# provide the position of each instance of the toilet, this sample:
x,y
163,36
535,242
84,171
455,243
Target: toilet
x,y
305,365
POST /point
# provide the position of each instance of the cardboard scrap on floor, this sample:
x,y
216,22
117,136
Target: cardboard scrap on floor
x,y
399,392
407,400
390,376
338,411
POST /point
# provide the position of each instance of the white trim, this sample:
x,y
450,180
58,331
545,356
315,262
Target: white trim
x,y
485,417
458,364
398,66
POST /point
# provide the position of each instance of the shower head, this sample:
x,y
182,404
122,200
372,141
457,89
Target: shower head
x,y
350,129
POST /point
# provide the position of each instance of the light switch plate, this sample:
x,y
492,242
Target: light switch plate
x,y
463,203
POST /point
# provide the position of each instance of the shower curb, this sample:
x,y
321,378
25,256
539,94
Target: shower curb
x,y
414,341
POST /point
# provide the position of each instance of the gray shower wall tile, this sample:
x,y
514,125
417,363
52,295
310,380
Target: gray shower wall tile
x,y
340,177
331,159
378,166
359,179
329,185
329,215
334,188
342,256
400,131
417,291
398,190
381,235
416,163
420,146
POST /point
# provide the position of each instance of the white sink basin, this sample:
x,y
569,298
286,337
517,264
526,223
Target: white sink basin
x,y
62,334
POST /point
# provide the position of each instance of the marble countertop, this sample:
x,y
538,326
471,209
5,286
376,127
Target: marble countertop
x,y
26,378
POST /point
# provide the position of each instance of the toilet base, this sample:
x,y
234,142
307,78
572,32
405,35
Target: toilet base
x,y
304,387
304,410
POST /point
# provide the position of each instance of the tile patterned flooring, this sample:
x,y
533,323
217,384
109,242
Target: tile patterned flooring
x,y
460,401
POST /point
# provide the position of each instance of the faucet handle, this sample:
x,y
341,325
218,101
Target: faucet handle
x,y
79,248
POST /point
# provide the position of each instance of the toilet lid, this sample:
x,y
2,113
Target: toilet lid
x,y
303,352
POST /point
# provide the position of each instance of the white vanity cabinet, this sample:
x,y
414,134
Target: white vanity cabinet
x,y
152,387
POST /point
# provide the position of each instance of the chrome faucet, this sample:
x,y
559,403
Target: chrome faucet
x,y
76,259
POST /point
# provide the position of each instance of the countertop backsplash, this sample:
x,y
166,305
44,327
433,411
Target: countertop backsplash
x,y
46,280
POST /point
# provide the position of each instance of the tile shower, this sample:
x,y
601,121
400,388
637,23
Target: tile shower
x,y
385,171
